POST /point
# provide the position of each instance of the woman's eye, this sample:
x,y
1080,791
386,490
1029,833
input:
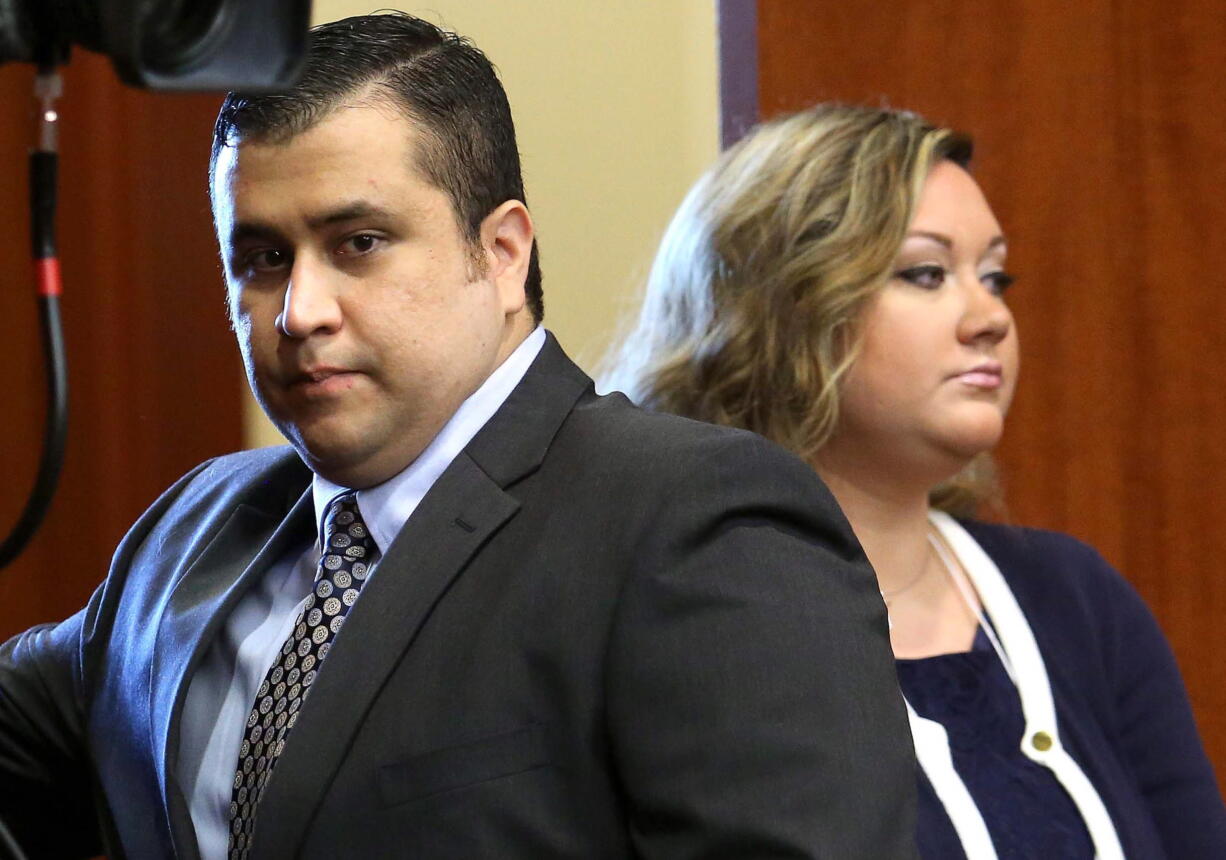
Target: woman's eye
x,y
928,277
998,282
363,243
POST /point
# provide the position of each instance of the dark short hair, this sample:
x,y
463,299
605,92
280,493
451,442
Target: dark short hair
x,y
438,79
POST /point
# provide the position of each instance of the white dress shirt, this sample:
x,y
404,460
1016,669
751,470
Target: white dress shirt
x,y
223,688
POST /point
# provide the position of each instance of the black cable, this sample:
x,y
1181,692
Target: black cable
x,y
55,433
43,169
9,845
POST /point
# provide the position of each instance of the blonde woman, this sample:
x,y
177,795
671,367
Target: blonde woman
x,y
837,283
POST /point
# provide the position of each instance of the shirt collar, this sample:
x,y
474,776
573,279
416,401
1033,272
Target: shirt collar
x,y
386,507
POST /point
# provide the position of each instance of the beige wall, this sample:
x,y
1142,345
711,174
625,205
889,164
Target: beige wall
x,y
616,107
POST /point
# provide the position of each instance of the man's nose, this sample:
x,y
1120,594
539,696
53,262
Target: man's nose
x,y
310,305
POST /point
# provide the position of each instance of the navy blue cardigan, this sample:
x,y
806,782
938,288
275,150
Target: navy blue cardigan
x,y
1122,709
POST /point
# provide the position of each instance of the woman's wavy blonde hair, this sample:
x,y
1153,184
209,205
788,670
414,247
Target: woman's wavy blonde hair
x,y
750,317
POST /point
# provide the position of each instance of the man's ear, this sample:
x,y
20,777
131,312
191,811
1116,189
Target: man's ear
x,y
506,240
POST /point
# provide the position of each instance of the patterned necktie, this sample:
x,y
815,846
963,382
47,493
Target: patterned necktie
x,y
342,570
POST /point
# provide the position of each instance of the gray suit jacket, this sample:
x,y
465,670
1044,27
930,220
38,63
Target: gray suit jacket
x,y
604,633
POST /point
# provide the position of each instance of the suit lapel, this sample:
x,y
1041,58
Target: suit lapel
x,y
513,443
203,598
461,512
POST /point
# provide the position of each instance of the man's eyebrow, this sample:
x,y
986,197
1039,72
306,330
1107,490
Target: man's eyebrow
x,y
244,231
347,212
254,230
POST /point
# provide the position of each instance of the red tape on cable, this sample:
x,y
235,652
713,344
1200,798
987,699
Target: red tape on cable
x,y
47,275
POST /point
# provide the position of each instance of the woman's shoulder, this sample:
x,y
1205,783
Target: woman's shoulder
x,y
1092,625
1055,570
1046,555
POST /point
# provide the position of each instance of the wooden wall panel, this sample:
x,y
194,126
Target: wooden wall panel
x,y
1101,144
153,372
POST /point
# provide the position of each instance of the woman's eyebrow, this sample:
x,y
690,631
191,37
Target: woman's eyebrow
x,y
997,241
935,237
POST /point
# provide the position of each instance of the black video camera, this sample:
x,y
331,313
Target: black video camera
x,y
165,44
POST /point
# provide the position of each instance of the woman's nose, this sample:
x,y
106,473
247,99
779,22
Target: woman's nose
x,y
985,316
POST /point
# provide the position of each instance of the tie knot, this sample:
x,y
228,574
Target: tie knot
x,y
346,538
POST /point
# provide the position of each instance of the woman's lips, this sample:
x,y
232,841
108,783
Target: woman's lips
x,y
979,379
988,376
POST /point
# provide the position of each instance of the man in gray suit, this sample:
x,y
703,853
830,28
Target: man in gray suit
x,y
476,610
